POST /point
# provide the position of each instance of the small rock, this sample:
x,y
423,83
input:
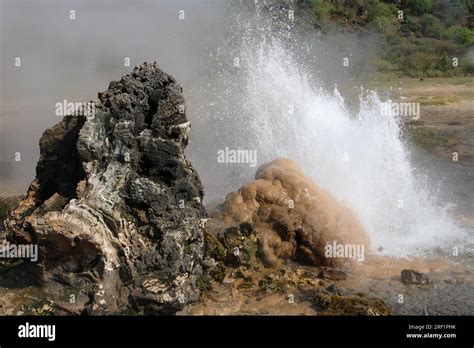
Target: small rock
x,y
332,274
334,289
462,280
409,276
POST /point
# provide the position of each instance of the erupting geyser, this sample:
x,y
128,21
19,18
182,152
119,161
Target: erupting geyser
x,y
275,102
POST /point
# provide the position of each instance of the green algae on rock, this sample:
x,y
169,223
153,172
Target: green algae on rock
x,y
241,244
358,304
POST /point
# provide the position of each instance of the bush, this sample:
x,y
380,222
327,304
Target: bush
x,y
385,25
431,26
413,23
385,66
421,56
381,10
323,10
461,35
420,7
420,45
413,73
452,11
383,17
434,73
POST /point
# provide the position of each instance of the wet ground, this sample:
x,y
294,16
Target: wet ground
x,y
449,292
293,289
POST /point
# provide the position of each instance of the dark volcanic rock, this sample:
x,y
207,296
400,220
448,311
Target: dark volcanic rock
x,y
115,207
413,277
6,205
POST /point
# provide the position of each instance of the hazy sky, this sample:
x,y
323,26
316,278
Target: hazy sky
x,y
73,59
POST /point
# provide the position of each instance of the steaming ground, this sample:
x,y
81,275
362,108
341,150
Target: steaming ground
x,y
250,83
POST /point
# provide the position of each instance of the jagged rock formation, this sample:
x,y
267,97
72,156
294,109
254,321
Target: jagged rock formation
x,y
294,218
115,207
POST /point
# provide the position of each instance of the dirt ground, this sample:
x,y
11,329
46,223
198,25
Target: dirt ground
x,y
446,123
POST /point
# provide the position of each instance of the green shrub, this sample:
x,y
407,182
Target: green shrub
x,y
452,12
461,35
323,10
381,10
413,23
434,73
420,45
420,7
385,25
431,26
385,66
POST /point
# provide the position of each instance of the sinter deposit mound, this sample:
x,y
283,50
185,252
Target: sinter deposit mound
x,y
115,207
294,218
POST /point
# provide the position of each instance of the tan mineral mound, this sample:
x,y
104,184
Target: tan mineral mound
x,y
295,218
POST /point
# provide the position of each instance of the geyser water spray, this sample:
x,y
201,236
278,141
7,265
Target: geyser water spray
x,y
276,105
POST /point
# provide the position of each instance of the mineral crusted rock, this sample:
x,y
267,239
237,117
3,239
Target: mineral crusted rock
x,y
356,304
115,206
294,217
241,245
